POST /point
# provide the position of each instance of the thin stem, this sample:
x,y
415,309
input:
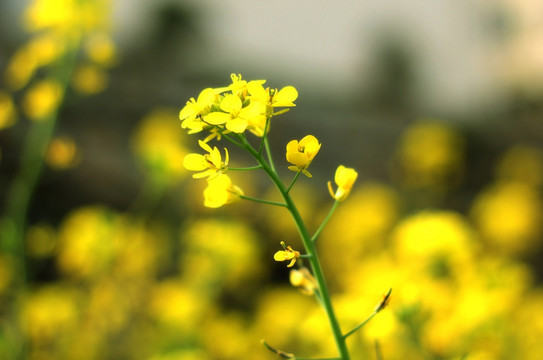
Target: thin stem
x,y
268,153
312,251
275,203
264,137
323,224
233,141
357,327
248,168
293,181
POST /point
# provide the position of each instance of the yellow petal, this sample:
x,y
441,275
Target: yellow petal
x,y
195,162
237,125
285,97
231,103
217,118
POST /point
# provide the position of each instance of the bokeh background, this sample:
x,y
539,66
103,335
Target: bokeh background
x,y
108,252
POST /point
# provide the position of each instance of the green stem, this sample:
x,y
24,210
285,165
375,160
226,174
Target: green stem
x,y
22,189
323,224
293,181
357,327
310,250
275,203
248,168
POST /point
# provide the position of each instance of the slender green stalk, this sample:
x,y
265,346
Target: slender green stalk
x,y
275,203
293,181
310,250
21,191
357,327
248,168
323,224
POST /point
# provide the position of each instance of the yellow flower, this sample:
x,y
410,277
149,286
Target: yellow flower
x,y
302,153
8,114
303,280
220,191
191,114
210,165
345,178
273,98
239,86
42,99
287,254
236,117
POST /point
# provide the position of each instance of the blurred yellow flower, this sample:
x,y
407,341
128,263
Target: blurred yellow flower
x,y
210,165
303,280
344,179
42,99
302,153
176,306
430,154
509,217
87,245
8,114
220,191
158,145
89,79
50,314
21,68
288,254
101,49
439,243
62,153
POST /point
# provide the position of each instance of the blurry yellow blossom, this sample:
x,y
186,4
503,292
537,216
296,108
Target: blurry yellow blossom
x,y
509,217
42,99
45,47
228,336
21,68
71,18
210,165
101,49
62,153
41,241
89,79
303,280
219,253
158,144
87,244
174,305
8,114
521,164
220,191
50,313
288,254
344,179
302,153
437,242
235,117
430,154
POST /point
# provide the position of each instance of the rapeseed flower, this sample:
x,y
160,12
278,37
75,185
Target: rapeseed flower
x,y
287,254
220,191
301,153
191,114
272,98
303,280
210,165
344,179
235,117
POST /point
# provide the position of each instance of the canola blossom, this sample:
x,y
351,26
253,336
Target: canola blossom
x,y
209,165
287,254
344,179
301,153
220,191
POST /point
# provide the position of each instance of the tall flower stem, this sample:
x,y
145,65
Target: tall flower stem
x,y
310,250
